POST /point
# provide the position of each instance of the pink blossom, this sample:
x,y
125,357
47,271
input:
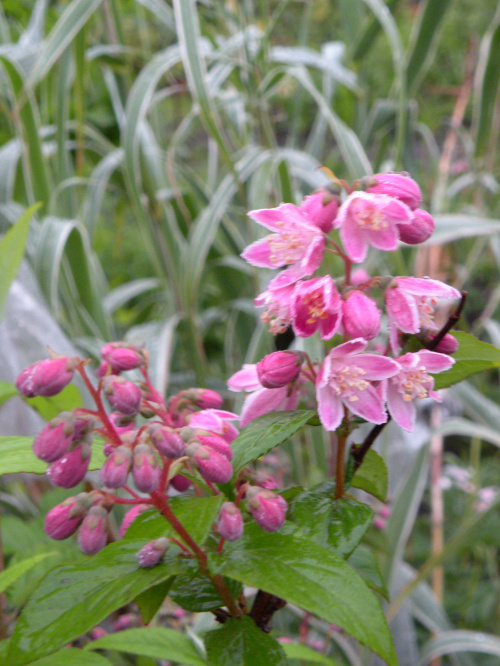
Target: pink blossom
x,y
230,522
420,229
321,208
216,421
412,382
297,243
279,368
316,304
360,316
370,219
345,380
276,302
411,305
397,185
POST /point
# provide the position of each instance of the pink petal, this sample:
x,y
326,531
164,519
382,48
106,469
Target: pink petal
x,y
427,287
435,362
348,348
262,402
245,379
369,406
314,256
353,241
402,412
375,366
330,408
384,239
277,219
259,254
398,212
403,310
329,326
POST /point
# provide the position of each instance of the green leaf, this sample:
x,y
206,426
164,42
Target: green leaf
x,y
197,515
151,600
196,594
451,642
12,247
266,432
73,598
472,356
372,476
7,391
48,408
364,563
12,573
240,641
72,657
319,581
302,653
16,456
154,642
338,524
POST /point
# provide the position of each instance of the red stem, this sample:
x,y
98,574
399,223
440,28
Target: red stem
x,y
121,500
101,412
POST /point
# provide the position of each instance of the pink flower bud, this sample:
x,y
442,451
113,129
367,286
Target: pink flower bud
x,y
385,511
152,553
93,534
180,483
419,229
167,441
359,276
46,378
361,317
84,425
206,399
122,356
230,522
396,185
63,520
122,423
127,621
448,345
115,470
130,516
379,523
96,633
212,466
279,369
55,439
321,208
123,395
103,369
145,469
216,443
69,470
267,508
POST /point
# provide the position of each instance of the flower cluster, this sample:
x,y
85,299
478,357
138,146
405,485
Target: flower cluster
x,y
364,374
155,445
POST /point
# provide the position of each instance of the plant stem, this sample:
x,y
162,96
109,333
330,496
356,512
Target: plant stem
x,y
340,469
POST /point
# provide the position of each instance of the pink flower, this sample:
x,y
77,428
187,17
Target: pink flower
x,y
411,305
412,382
370,219
397,185
276,302
216,421
261,400
47,377
279,368
321,208
420,229
267,508
297,243
152,553
316,304
230,522
361,316
344,380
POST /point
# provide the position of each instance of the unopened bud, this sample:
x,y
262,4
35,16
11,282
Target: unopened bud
x,y
55,439
122,356
448,345
180,483
419,230
69,470
230,522
93,534
397,185
130,516
212,466
360,316
123,395
279,369
267,508
145,469
167,441
47,377
115,470
204,398
321,208
152,553
216,443
63,520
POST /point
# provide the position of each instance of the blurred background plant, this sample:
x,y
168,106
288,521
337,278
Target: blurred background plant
x,y
147,129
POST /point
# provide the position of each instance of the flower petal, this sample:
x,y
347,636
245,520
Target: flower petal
x,y
402,411
262,402
330,408
369,405
245,379
435,362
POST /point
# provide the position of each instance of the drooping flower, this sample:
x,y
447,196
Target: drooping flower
x,y
297,242
316,304
345,380
411,305
370,219
413,382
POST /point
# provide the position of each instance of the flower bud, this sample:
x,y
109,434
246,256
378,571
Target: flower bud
x,y
279,369
122,356
212,466
216,443
69,470
127,621
419,229
130,516
145,469
361,317
122,423
379,523
396,185
152,553
205,398
123,395
47,377
103,369
359,276
115,470
93,534
321,208
448,345
168,441
84,425
180,483
55,439
267,508
230,522
63,520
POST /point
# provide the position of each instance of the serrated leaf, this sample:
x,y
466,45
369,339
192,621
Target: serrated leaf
x,y
364,563
472,356
372,476
240,641
196,594
155,642
12,573
302,653
337,524
266,432
73,598
296,569
72,657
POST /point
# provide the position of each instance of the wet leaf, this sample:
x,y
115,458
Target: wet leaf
x,y
372,476
240,641
472,356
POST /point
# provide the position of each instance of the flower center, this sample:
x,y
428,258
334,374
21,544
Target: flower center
x,y
286,248
414,383
347,382
426,311
370,218
315,306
